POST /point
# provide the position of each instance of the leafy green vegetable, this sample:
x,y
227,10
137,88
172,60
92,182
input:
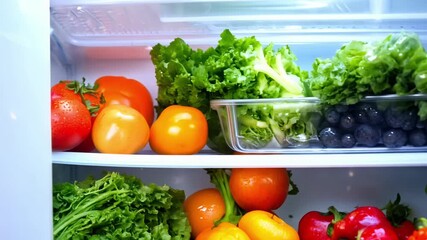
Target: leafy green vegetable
x,y
395,65
237,68
289,123
337,80
118,207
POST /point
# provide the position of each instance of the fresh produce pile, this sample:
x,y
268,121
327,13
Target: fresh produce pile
x,y
240,68
237,68
392,124
363,223
116,115
395,65
83,116
118,207
188,79
241,206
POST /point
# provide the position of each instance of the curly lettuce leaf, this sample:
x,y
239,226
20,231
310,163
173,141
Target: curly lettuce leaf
x,y
118,207
336,80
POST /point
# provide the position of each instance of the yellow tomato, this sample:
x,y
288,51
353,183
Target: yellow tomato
x,y
260,225
224,231
120,129
179,130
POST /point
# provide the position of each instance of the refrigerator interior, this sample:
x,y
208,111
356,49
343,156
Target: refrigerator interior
x,y
95,38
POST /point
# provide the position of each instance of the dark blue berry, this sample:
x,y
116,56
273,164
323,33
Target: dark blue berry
x,y
348,140
396,117
367,135
361,111
418,137
411,120
375,116
332,116
347,121
394,138
330,137
361,116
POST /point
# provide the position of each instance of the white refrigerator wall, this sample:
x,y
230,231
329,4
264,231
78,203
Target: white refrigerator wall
x,y
25,149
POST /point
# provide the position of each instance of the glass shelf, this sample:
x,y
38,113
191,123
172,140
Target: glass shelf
x,y
212,160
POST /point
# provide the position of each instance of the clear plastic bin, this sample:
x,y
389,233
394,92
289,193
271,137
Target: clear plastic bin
x,y
387,123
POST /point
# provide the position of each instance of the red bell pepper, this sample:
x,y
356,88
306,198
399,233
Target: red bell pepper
x,y
358,219
377,232
315,225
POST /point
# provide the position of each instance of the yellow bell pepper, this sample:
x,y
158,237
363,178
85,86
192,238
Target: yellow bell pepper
x,y
262,225
224,230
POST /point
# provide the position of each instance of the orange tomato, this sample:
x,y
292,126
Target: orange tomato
x,y
120,129
179,130
203,208
259,188
223,231
260,225
129,92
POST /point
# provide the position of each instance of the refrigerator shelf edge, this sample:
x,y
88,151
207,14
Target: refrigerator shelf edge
x,y
212,160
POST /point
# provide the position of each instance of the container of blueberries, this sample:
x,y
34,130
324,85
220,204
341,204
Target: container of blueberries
x,y
306,125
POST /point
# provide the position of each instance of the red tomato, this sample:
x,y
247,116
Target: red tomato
x,y
87,145
76,90
70,123
259,188
84,93
129,92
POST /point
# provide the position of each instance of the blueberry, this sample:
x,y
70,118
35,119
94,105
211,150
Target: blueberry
x,y
361,116
394,138
396,117
347,121
375,116
417,137
332,116
367,135
361,111
348,140
411,119
330,137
